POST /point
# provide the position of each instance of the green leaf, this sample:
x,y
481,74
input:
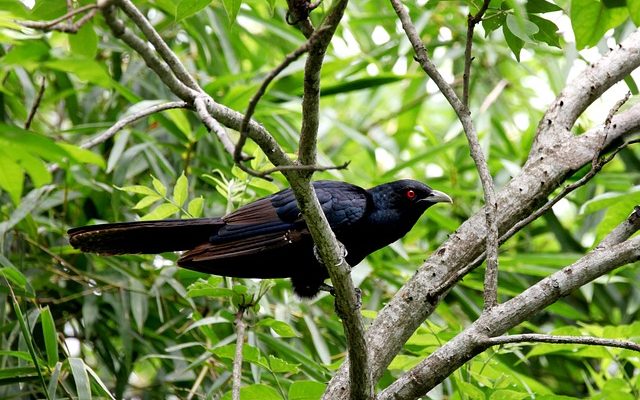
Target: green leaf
x,y
180,190
161,212
187,8
85,42
281,328
15,276
514,42
231,7
83,387
11,178
85,69
306,390
147,201
139,303
541,6
493,21
522,28
548,31
280,366
210,288
83,155
196,206
159,186
17,375
592,18
634,11
179,117
50,336
138,189
256,392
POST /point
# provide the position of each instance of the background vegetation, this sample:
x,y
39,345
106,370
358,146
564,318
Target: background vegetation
x,y
76,325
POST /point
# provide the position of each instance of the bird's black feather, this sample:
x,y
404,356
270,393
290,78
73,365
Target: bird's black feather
x,y
268,238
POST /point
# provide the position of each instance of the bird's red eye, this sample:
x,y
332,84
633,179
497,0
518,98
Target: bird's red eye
x,y
410,194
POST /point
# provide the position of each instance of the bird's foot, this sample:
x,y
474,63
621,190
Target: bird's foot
x,y
343,253
328,288
355,308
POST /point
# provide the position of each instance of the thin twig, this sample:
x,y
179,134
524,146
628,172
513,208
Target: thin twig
x,y
464,115
115,128
160,45
56,24
557,339
212,125
36,104
290,168
237,360
459,274
291,57
162,70
472,21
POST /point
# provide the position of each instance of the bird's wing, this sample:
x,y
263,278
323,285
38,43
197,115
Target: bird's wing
x,y
342,203
248,246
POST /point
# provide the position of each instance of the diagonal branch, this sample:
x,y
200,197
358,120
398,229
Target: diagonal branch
x,y
59,24
472,21
558,339
464,115
476,338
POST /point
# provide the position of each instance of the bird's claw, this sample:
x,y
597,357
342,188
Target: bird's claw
x,y
343,253
328,288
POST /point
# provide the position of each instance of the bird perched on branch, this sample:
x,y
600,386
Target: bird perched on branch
x,y
268,238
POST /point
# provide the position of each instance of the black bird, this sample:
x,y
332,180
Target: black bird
x,y
268,238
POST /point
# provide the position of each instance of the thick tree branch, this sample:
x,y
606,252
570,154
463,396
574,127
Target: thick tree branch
x,y
556,339
330,251
464,115
498,320
583,90
553,162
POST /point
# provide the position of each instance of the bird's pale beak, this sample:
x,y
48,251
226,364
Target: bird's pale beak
x,y
438,197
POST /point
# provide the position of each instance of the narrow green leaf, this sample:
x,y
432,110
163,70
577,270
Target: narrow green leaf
x,y
50,336
179,117
83,387
161,212
280,366
139,303
103,388
146,201
306,390
11,178
281,328
137,189
53,380
187,8
159,186
196,206
231,7
180,190
83,155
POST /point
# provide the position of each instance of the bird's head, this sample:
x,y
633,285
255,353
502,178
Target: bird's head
x,y
407,196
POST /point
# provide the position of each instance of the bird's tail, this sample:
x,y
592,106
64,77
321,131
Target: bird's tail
x,y
144,237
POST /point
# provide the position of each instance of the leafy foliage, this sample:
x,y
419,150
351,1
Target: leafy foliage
x,y
133,326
